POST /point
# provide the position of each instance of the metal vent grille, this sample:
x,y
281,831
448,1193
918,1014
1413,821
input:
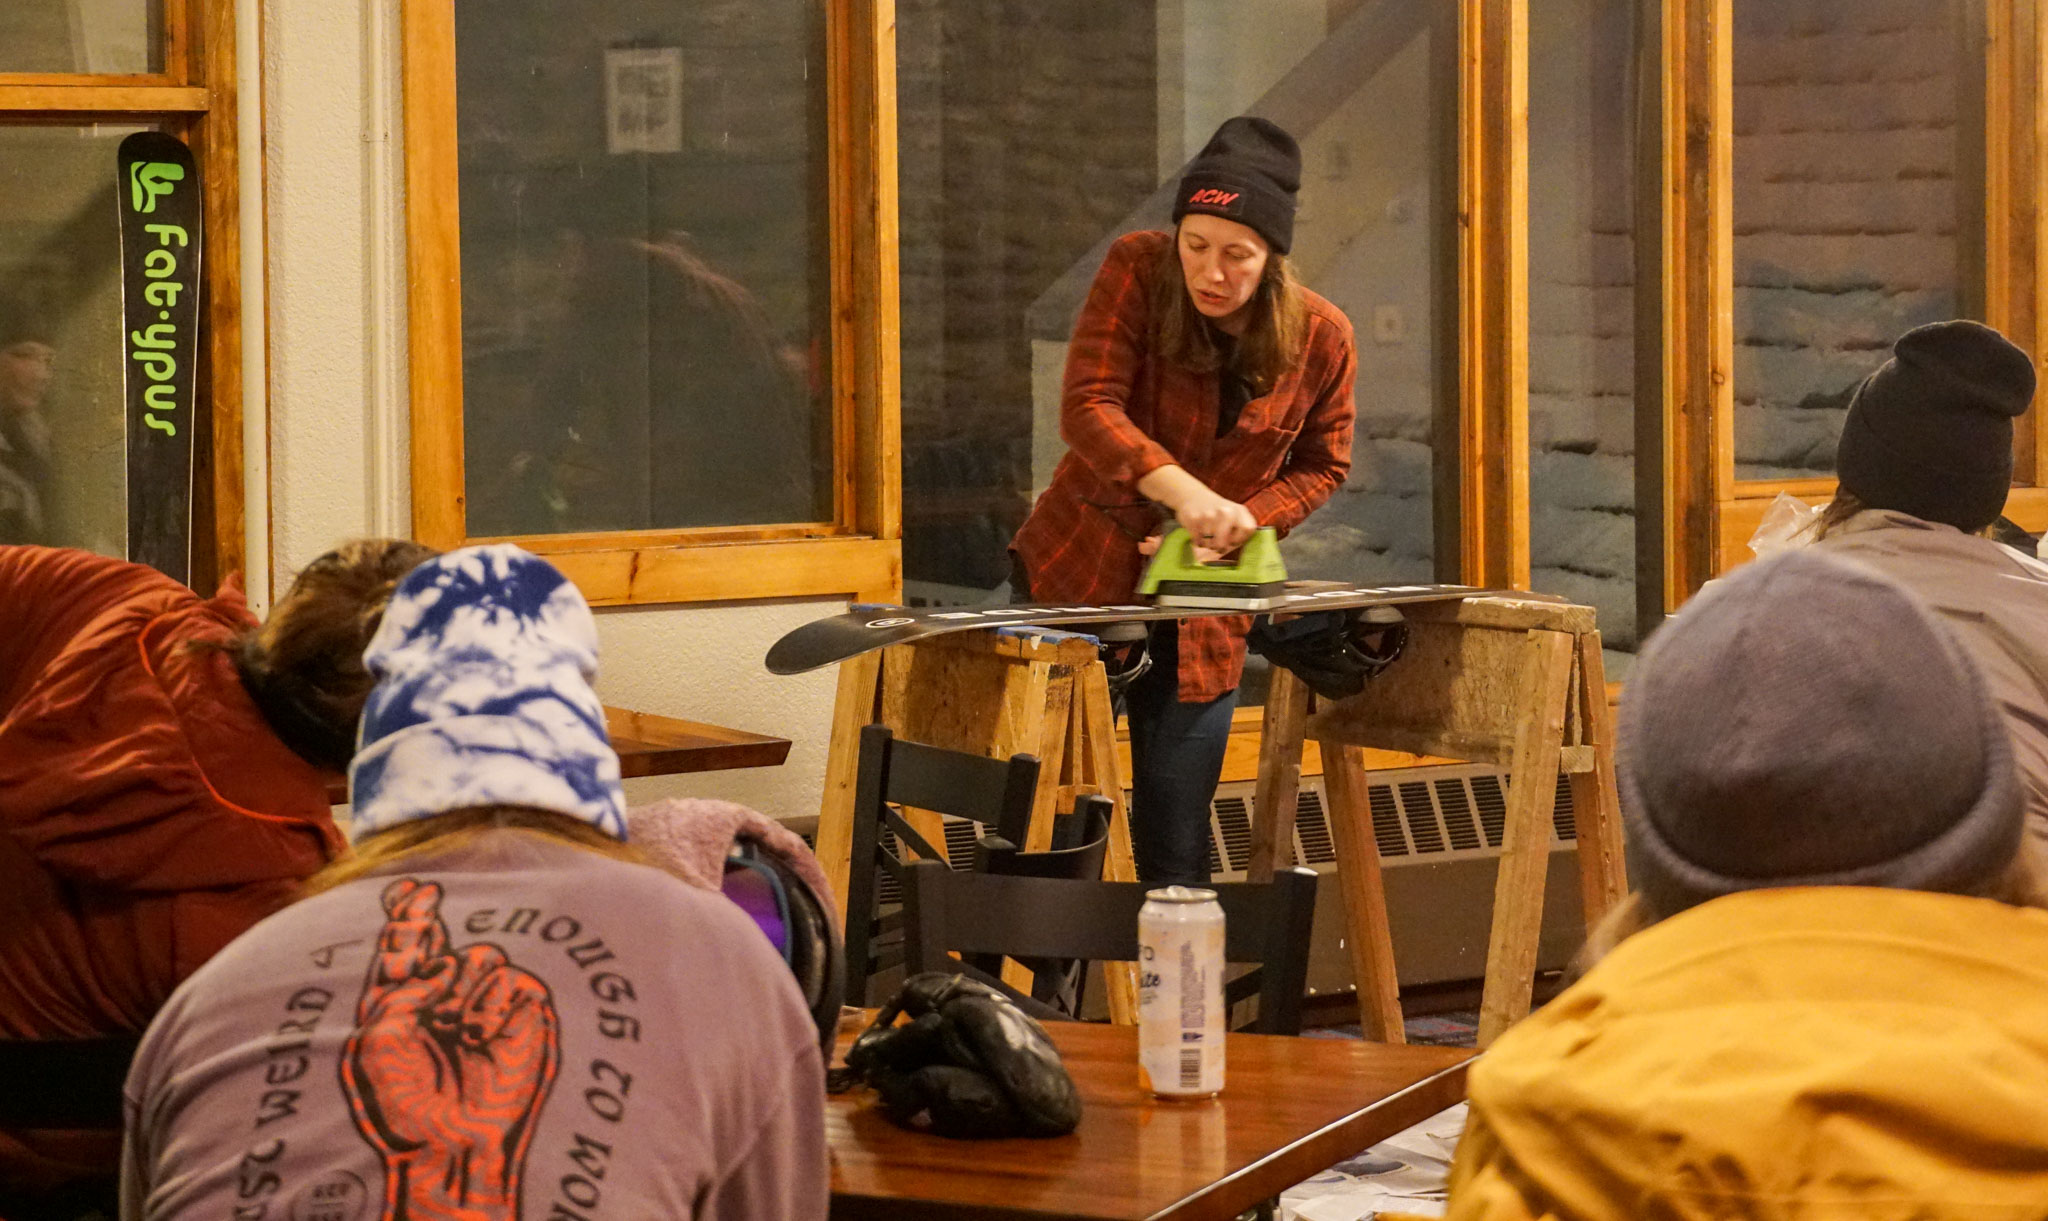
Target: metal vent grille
x,y
1311,829
1454,801
960,836
1437,812
1232,819
1490,795
1386,822
1424,829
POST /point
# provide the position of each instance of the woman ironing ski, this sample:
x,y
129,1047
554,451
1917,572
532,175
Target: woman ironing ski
x,y
1203,382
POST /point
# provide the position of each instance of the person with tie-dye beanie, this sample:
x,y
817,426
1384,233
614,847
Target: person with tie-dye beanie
x,y
493,1009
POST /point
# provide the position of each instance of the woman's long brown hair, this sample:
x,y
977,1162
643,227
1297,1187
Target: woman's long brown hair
x,y
1835,514
1275,333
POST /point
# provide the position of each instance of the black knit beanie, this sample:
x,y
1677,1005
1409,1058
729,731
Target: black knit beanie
x,y
1930,433
1247,172
1807,722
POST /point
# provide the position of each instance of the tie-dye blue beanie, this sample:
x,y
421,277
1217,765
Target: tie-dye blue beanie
x,y
483,667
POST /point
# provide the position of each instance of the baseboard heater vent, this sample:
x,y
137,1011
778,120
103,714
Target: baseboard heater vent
x,y
1443,813
1439,832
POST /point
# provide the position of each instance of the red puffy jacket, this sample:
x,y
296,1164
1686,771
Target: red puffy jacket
x,y
148,814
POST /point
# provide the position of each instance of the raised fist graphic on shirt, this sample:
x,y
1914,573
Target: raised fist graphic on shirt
x,y
453,1054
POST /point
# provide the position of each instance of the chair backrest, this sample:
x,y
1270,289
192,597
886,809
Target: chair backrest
x,y
1081,860
997,792
1026,917
64,1083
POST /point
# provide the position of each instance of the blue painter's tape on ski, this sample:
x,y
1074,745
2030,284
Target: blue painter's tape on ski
x,y
1047,634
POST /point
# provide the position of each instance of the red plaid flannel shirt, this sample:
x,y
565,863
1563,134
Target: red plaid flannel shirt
x,y
1124,414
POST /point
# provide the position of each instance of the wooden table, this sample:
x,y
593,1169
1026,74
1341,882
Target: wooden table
x,y
1290,1108
651,745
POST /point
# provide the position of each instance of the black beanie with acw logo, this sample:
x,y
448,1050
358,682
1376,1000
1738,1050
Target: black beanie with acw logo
x,y
1248,172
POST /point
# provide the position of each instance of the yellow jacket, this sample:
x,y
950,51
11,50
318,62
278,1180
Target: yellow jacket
x,y
1799,1053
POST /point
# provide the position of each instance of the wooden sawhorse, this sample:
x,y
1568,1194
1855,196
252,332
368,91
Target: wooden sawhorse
x,y
994,692
1518,683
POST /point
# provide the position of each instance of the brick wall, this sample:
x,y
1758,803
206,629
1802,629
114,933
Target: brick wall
x,y
1846,221
1374,261
1847,138
1581,312
1027,129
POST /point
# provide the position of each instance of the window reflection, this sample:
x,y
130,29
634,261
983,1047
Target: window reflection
x,y
645,289
62,448
106,37
1032,135
1851,120
1582,406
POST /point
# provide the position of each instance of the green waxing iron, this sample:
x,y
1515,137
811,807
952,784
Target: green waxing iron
x,y
1255,581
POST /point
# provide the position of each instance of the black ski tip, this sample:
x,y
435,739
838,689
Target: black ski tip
x,y
787,656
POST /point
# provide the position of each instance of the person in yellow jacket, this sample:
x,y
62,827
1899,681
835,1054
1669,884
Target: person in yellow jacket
x,y
1837,1002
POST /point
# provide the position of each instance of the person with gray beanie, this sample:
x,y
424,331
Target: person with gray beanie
x,y
1831,997
494,1008
1925,464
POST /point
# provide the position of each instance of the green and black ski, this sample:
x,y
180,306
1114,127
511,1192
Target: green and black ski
x,y
161,244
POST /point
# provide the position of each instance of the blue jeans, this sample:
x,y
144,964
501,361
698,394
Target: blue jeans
x,y
1176,760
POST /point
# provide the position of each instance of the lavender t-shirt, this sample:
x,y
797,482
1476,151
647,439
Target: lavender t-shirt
x,y
519,1028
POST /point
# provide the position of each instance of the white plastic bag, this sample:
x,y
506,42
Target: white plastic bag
x,y
1788,522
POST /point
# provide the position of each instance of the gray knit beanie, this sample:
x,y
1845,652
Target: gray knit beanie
x,y
1805,722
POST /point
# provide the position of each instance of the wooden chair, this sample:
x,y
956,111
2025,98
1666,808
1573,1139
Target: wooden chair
x,y
64,1083
926,782
1024,917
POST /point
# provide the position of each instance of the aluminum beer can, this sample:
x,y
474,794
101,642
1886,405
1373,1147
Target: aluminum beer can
x,y
1180,993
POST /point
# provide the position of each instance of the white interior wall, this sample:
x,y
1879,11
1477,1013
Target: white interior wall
x,y
333,212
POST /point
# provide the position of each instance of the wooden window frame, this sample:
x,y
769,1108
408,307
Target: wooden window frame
x,y
859,552
1493,292
194,99
1710,515
1480,113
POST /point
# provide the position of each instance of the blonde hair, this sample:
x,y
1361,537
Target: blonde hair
x,y
391,848
1275,334
2023,884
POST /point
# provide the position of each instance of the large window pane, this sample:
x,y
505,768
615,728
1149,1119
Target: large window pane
x,y
1853,120
1032,133
91,36
62,450
645,287
1582,499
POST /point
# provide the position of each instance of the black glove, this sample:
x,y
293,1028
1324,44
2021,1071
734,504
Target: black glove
x,y
968,1064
